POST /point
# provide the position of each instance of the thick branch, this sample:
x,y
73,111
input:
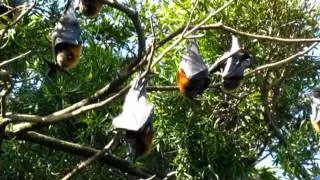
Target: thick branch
x,y
133,15
267,114
79,107
92,159
54,118
34,120
84,151
162,88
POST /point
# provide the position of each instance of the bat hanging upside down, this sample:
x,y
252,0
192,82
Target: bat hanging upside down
x,y
237,60
66,43
136,119
193,76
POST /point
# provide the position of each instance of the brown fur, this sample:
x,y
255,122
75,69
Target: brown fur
x,y
141,141
90,8
68,57
182,81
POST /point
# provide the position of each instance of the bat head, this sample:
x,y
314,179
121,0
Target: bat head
x,y
315,108
68,55
90,8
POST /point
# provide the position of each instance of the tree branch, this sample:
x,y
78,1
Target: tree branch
x,y
55,118
270,38
287,60
133,15
92,159
84,151
175,88
16,21
220,25
3,63
194,28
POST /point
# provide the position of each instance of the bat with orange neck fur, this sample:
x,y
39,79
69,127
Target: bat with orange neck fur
x,y
192,77
66,42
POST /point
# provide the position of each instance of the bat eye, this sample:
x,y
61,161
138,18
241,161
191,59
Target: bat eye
x,y
316,94
70,57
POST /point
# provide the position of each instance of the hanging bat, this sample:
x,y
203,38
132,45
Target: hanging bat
x,y
90,8
66,41
233,64
136,118
315,107
233,72
193,76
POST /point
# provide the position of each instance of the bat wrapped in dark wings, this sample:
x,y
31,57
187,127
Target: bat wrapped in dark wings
x,y
315,109
136,118
66,42
237,60
193,76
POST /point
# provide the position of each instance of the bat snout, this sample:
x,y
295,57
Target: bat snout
x,y
62,59
316,125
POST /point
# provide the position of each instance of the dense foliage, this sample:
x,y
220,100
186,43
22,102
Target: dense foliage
x,y
220,135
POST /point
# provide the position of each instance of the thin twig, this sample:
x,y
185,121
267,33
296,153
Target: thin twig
x,y
190,19
3,63
211,14
175,88
11,10
270,38
152,48
284,61
220,25
92,159
16,21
